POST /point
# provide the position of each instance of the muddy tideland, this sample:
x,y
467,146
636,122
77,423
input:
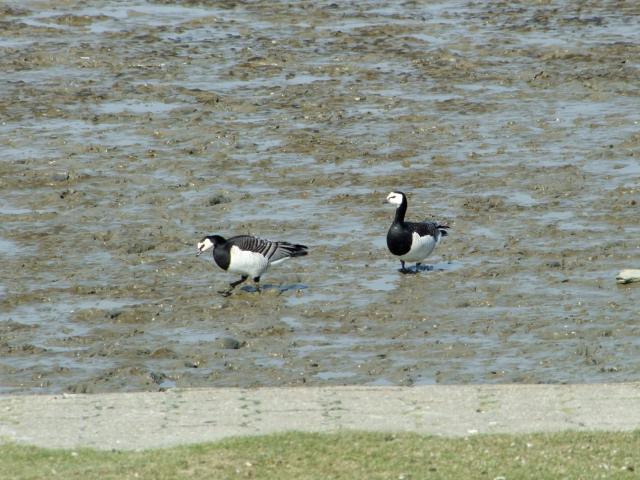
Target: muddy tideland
x,y
128,130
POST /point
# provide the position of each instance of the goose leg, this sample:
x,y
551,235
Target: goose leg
x,y
418,267
403,269
256,280
233,285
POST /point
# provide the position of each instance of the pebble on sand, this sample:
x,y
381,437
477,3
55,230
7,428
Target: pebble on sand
x,y
628,275
229,343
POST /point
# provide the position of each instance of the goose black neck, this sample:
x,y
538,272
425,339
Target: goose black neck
x,y
401,210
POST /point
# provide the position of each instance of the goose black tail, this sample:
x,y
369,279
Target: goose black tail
x,y
442,230
297,250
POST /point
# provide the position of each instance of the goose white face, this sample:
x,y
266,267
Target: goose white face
x,y
394,198
203,246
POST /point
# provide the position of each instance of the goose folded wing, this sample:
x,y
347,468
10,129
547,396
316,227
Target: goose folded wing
x,y
273,251
427,228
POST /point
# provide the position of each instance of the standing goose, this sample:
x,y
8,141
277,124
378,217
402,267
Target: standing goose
x,y
409,241
249,256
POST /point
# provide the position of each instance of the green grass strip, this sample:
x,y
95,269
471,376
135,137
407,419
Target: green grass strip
x,y
349,455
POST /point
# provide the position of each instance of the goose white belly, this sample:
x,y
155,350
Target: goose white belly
x,y
248,263
421,248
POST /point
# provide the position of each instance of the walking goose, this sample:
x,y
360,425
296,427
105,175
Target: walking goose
x,y
248,256
411,241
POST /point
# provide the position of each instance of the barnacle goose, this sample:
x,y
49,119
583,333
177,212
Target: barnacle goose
x,y
409,241
249,256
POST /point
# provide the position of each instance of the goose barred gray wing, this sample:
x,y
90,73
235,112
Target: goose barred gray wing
x,y
428,228
272,251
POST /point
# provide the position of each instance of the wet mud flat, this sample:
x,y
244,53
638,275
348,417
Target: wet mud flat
x,y
128,131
